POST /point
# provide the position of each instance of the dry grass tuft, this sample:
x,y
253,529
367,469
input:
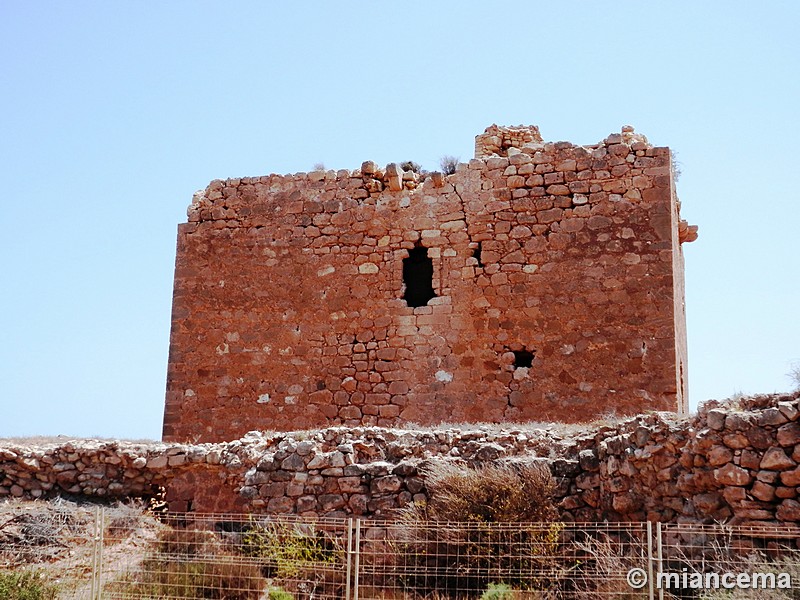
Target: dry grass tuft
x,y
509,492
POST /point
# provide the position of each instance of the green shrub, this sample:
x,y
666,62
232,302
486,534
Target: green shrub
x,y
296,555
279,594
286,549
498,591
25,585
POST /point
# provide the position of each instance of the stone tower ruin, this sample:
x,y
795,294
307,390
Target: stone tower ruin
x,y
540,281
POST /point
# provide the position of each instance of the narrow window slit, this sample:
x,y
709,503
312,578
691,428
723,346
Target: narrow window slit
x,y
476,253
418,277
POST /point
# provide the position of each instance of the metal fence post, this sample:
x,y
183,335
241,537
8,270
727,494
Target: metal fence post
x,y
650,588
100,544
660,554
349,557
94,552
358,558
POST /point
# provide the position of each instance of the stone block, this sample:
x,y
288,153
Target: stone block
x,y
775,459
293,462
789,434
387,484
330,502
772,417
789,510
719,455
791,478
763,491
732,475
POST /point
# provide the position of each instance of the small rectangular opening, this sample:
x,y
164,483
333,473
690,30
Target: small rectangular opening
x,y
476,254
523,359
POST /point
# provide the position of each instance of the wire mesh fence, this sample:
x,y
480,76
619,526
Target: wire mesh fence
x,y
536,560
94,553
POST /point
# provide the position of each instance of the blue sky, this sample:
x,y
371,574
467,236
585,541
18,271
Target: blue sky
x,y
114,113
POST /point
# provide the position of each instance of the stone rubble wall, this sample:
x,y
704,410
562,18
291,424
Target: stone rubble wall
x,y
289,314
497,140
733,462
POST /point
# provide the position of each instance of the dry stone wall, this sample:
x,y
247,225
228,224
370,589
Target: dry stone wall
x,y
732,462
539,281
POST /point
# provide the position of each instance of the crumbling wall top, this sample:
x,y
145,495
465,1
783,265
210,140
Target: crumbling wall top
x,y
371,180
496,139
499,140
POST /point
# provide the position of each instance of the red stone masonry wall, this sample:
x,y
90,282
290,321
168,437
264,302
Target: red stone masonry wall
x,y
288,307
